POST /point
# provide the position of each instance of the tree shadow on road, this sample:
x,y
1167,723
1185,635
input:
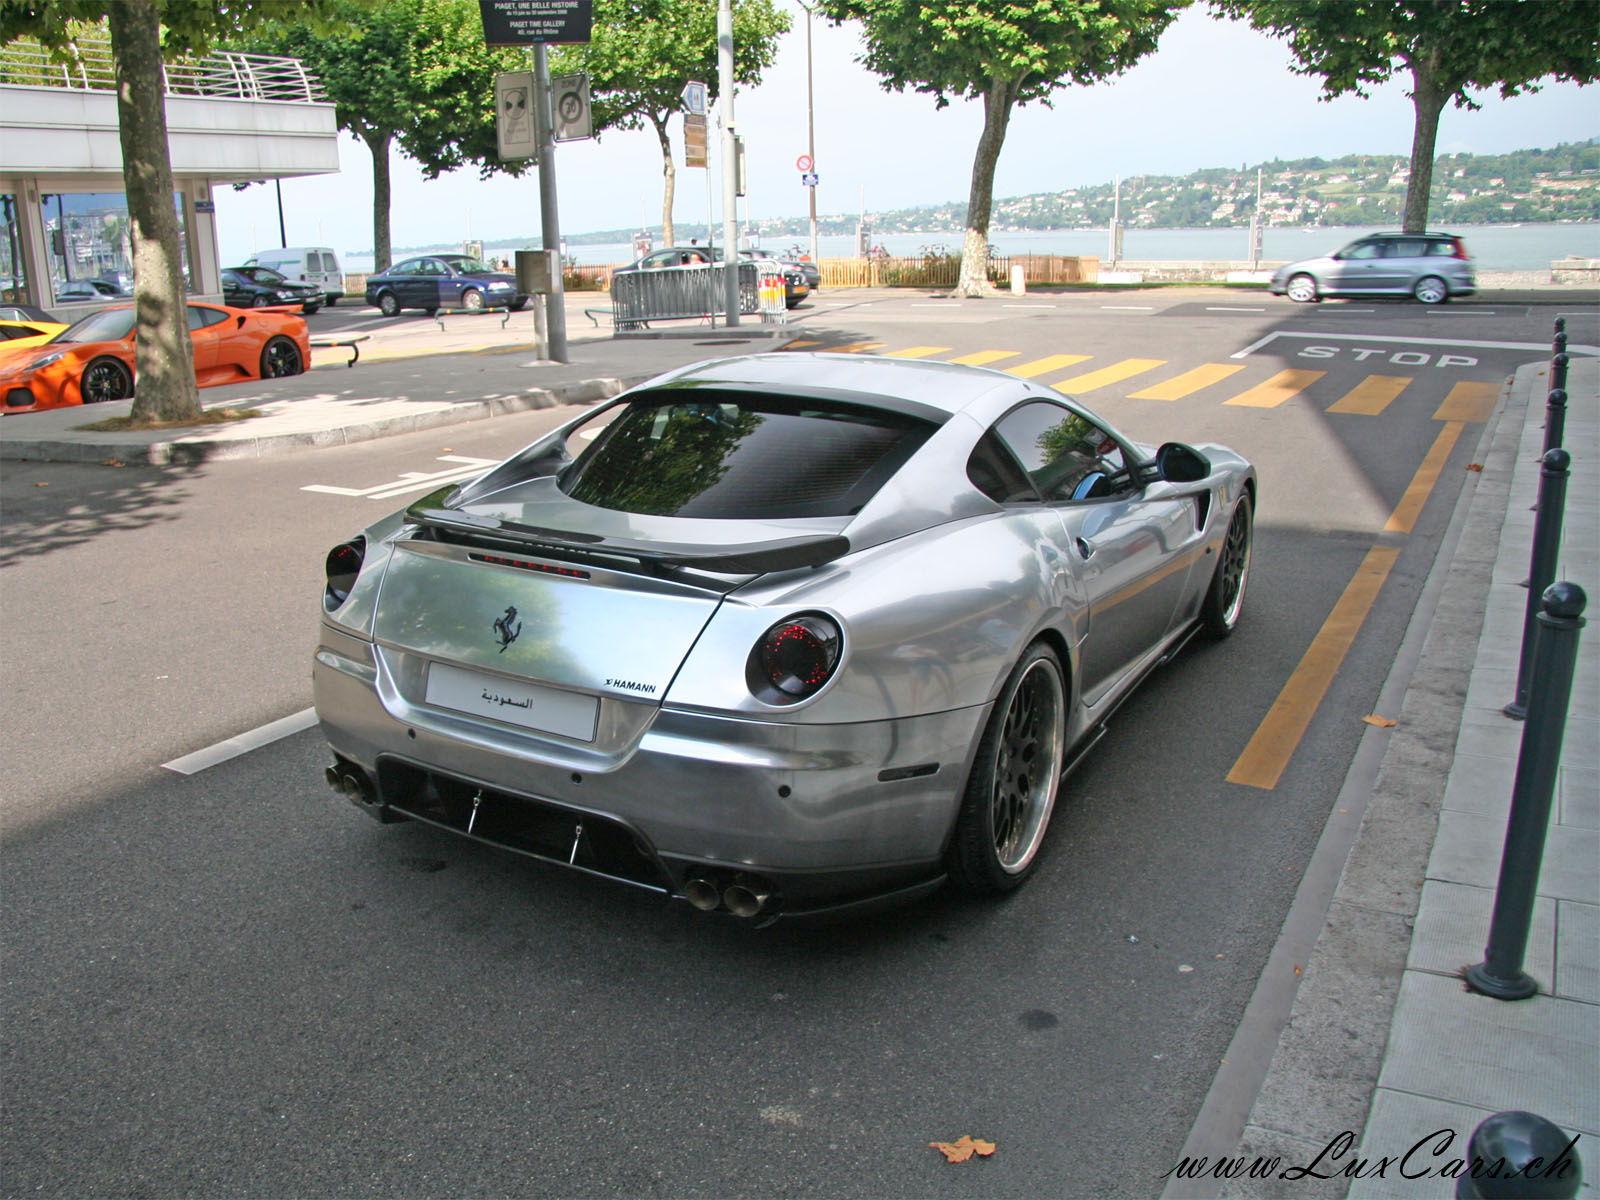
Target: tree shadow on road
x,y
46,507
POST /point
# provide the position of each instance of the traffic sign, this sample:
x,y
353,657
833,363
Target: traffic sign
x,y
694,140
694,98
803,163
809,179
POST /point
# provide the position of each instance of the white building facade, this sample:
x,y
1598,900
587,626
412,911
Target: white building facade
x,y
231,118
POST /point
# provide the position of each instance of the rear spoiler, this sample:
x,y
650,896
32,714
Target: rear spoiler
x,y
752,558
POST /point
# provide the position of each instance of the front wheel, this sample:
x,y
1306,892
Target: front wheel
x,y
1225,597
388,305
260,300
1302,289
1431,290
106,379
472,300
280,357
1015,780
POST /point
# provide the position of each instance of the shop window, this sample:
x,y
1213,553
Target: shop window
x,y
89,236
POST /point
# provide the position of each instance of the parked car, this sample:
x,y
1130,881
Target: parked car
x,y
779,634
258,287
75,291
315,265
24,312
17,336
1432,267
804,265
796,287
434,281
92,359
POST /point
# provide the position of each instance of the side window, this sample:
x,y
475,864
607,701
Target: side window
x,y
1066,455
1409,248
1363,250
994,472
200,317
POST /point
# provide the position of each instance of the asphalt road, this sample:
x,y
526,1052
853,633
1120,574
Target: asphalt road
x,y
232,983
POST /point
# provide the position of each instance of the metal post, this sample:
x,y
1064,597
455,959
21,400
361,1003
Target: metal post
x,y
1500,974
1555,414
1542,570
730,167
555,305
811,140
1541,1161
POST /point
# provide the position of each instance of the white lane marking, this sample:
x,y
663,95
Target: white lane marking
x,y
191,764
1027,306
1231,308
410,481
1128,307
1543,347
1462,312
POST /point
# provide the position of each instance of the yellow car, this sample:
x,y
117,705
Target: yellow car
x,y
17,335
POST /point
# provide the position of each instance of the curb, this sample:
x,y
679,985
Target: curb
x,y
189,451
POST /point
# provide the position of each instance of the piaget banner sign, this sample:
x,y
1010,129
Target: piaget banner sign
x,y
529,22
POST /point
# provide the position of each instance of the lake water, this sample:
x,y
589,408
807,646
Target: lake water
x,y
1494,247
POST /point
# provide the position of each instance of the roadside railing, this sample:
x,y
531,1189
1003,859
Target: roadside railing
x,y
693,290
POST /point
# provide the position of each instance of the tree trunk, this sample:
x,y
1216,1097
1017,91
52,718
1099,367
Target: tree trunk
x,y
669,181
377,141
1427,97
163,355
997,102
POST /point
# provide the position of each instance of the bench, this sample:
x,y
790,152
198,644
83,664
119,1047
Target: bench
x,y
439,314
348,341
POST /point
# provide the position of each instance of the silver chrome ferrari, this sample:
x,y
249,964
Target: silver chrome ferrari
x,y
778,635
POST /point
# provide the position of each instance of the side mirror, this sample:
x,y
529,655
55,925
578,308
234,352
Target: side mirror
x,y
1178,463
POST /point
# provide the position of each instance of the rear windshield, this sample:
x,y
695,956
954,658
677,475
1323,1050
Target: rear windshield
x,y
739,455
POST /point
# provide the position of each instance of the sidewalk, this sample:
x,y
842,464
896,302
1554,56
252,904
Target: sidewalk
x,y
1384,1042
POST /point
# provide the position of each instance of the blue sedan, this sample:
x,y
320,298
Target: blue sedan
x,y
434,281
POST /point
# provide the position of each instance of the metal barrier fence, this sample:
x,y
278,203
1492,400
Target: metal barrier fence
x,y
695,290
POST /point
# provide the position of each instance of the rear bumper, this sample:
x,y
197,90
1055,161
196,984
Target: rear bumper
x,y
821,815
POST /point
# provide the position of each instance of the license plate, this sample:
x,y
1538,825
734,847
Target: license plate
x,y
530,705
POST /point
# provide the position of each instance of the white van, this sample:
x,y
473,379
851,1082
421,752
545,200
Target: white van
x,y
317,265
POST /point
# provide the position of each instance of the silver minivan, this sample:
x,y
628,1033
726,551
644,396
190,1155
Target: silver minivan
x,y
1432,267
317,265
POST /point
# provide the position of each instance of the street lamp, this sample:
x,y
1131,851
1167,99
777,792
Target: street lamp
x,y
811,137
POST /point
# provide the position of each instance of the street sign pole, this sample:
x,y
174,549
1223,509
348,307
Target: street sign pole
x,y
730,197
811,139
550,223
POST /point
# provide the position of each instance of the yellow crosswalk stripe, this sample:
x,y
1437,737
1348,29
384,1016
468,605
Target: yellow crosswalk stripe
x,y
1404,517
984,357
1188,383
856,347
917,352
1469,402
1285,385
1043,366
802,342
1372,395
1105,376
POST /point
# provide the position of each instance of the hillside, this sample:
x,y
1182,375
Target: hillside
x,y
1562,184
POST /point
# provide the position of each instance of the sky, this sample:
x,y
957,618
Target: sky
x,y
1214,94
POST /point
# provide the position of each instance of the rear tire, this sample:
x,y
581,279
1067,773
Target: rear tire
x,y
1015,780
1225,597
1431,290
105,379
280,357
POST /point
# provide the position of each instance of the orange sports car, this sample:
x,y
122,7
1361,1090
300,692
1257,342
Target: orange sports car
x,y
93,359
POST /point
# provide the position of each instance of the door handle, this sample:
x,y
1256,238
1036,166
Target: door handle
x,y
1084,548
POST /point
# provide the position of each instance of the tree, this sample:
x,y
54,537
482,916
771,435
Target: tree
x,y
1005,54
144,33
1449,46
412,72
642,53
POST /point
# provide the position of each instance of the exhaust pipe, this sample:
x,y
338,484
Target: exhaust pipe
x,y
350,782
746,898
703,894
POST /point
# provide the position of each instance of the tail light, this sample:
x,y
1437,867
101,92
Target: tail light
x,y
342,567
1460,250
794,658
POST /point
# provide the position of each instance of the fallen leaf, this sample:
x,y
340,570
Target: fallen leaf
x,y
1380,722
964,1149
1474,466
41,485
1297,970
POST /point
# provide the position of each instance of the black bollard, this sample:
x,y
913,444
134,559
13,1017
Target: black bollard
x,y
1558,370
1500,974
1520,1156
1555,415
1542,570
